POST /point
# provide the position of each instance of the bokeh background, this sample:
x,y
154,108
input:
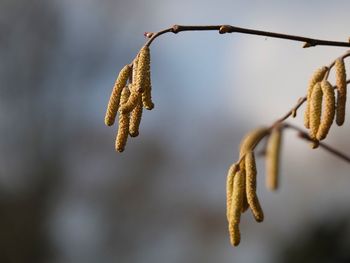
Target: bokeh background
x,y
67,196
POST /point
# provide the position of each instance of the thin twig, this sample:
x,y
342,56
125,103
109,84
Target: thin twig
x,y
309,42
302,134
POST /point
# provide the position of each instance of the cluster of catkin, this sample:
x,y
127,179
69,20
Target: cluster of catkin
x,y
241,178
131,93
322,104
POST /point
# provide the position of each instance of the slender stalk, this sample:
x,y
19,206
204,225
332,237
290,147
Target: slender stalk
x,y
222,29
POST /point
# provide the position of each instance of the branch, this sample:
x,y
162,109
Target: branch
x,y
309,42
302,134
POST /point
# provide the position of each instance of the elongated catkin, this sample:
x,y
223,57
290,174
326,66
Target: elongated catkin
x,y
132,101
147,95
328,110
315,110
236,207
143,70
229,189
316,77
252,139
340,75
252,197
123,128
135,119
272,158
114,99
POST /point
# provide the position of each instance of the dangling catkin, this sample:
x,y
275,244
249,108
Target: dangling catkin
x,y
229,188
252,139
143,70
316,77
147,95
272,158
135,119
252,197
340,75
132,101
328,110
123,128
114,99
236,207
315,110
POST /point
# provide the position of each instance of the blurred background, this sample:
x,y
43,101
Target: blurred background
x,y
67,196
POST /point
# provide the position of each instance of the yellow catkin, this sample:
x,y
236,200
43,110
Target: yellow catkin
x,y
252,139
114,99
328,110
132,101
143,70
316,77
147,95
340,74
315,110
123,128
252,197
272,158
135,119
236,207
229,188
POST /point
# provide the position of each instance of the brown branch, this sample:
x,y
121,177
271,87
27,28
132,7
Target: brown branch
x,y
309,42
302,134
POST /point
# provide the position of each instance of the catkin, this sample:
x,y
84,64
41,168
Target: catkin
x,y
114,99
252,139
315,110
340,74
229,188
252,197
316,77
135,119
236,207
143,70
123,128
328,110
132,101
147,95
272,158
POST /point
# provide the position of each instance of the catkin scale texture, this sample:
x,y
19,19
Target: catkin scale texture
x,y
315,110
114,99
316,77
123,128
229,189
143,69
340,75
135,119
272,158
252,198
132,101
328,110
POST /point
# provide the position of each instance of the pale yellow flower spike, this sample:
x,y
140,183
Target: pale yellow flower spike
x,y
143,70
147,96
252,139
135,119
328,110
315,110
252,197
229,189
123,128
341,90
316,77
236,207
132,101
272,158
114,99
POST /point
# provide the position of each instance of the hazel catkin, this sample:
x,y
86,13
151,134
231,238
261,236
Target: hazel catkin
x,y
252,139
123,128
328,110
143,69
229,188
315,110
252,197
316,77
135,119
114,99
340,75
272,158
